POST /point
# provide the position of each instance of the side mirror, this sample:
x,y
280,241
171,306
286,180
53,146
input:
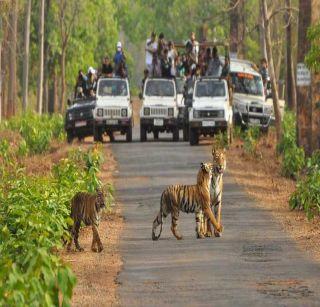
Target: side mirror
x,y
140,96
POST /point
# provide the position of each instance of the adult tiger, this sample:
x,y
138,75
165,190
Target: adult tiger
x,y
187,198
219,166
86,207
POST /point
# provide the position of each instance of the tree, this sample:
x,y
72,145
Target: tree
x,y
291,95
237,27
25,80
303,92
275,96
41,39
12,84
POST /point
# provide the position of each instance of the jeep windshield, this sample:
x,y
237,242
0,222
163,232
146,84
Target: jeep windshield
x,y
245,83
112,88
210,88
162,88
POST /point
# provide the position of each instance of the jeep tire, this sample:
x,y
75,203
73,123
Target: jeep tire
x,y
129,134
97,134
193,137
143,133
175,134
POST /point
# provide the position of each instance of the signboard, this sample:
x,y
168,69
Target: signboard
x,y
303,75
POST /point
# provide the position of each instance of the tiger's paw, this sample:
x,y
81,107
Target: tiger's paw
x,y
80,249
217,234
200,236
94,249
100,249
209,234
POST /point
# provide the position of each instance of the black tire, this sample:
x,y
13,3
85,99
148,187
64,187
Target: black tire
x,y
185,133
111,136
69,137
175,134
143,134
156,135
97,135
129,134
193,137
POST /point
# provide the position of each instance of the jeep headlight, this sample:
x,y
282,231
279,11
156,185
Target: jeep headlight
x,y
242,107
268,110
124,112
100,112
146,111
70,116
220,114
196,114
170,112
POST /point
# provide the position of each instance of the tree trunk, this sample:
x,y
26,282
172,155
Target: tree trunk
x,y
63,78
12,90
275,95
303,92
234,26
315,86
55,91
262,35
41,39
46,73
25,78
290,82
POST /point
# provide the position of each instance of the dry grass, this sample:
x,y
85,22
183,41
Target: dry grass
x,y
262,180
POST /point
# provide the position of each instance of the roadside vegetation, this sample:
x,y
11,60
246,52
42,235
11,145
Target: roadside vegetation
x,y
34,211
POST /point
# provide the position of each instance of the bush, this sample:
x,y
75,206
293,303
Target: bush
x,y
34,218
251,138
307,194
293,157
37,131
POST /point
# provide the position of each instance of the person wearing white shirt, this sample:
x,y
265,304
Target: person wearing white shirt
x,y
151,52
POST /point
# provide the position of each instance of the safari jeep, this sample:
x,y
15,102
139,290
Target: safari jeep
x,y
249,100
113,111
159,112
211,110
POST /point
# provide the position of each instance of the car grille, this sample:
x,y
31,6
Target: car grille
x,y
112,112
208,114
255,109
158,111
82,114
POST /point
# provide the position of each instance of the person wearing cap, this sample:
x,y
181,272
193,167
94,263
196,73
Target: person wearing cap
x,y
119,57
192,47
151,53
91,81
106,69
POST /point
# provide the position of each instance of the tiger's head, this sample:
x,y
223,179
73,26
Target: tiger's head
x,y
205,172
100,203
219,160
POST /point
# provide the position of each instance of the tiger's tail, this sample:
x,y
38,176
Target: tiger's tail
x,y
158,221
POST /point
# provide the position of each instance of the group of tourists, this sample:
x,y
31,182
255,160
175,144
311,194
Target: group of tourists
x,y
163,59
86,84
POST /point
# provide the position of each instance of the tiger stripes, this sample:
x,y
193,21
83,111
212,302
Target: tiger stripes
x,y
86,207
188,199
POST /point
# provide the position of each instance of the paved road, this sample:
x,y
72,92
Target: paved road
x,y
253,264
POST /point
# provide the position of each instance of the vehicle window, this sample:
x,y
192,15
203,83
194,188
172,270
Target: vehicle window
x,y
112,88
180,86
210,88
245,83
159,88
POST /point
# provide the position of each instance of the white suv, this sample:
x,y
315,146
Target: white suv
x,y
113,111
211,110
159,112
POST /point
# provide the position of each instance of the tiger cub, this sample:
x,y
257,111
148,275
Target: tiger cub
x,y
219,166
192,198
86,207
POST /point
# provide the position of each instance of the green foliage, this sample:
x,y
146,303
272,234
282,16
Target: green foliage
x,y
307,194
37,131
293,157
221,140
313,57
34,216
251,138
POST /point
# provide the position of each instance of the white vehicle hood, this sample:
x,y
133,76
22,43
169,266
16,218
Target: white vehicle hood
x,y
159,101
113,101
247,99
210,103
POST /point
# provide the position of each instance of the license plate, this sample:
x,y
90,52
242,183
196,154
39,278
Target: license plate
x,y
208,123
112,122
80,124
158,122
254,121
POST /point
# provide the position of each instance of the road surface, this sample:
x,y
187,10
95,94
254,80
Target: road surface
x,y
254,263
